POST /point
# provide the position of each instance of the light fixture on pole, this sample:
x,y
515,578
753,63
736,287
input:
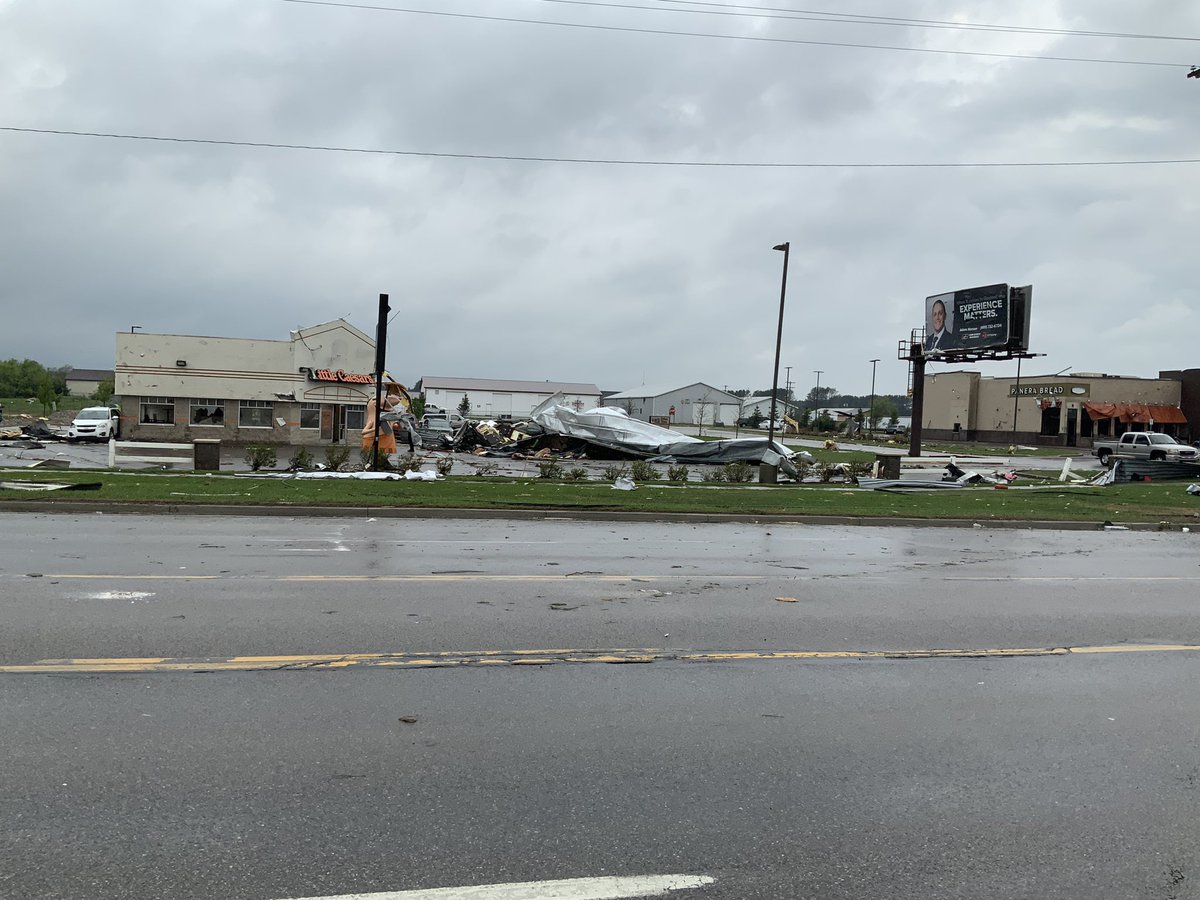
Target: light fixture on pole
x,y
786,248
787,389
871,408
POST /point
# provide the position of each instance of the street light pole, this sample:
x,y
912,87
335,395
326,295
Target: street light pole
x,y
786,248
816,395
871,408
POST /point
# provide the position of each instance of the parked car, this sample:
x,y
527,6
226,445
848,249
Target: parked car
x,y
1144,445
441,421
95,423
896,428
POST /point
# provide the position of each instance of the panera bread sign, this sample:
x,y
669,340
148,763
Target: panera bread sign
x,y
1050,390
341,376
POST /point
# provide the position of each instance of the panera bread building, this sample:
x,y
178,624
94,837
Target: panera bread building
x,y
311,389
1059,410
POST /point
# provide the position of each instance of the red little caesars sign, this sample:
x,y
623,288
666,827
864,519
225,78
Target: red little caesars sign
x,y
341,375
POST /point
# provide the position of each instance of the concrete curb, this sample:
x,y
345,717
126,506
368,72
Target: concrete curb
x,y
410,512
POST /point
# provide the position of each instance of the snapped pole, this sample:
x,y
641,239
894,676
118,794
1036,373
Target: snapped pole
x,y
786,248
380,357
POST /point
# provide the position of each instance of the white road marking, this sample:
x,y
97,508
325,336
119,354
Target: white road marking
x,y
117,595
336,548
611,888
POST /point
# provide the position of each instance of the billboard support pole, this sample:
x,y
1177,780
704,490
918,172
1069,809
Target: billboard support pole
x,y
918,400
1016,397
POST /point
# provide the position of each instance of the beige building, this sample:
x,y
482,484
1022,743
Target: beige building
x,y
1065,410
84,382
497,399
310,389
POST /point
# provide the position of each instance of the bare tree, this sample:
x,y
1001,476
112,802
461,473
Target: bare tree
x,y
702,406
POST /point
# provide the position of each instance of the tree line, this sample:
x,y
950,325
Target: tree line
x,y
27,378
830,397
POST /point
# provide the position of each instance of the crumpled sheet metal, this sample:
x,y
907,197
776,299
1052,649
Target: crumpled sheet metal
x,y
605,424
751,450
613,428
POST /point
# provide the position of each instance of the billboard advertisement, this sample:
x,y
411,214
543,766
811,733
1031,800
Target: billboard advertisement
x,y
968,320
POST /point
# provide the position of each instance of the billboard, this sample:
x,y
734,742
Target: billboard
x,y
970,319
1020,300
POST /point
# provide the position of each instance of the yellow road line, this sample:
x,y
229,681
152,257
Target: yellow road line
x,y
544,658
566,576
1058,578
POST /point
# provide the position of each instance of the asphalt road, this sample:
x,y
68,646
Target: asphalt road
x,y
1064,774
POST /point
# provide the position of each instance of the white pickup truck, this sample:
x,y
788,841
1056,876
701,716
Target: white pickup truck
x,y
1144,445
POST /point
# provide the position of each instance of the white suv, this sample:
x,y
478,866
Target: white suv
x,y
96,423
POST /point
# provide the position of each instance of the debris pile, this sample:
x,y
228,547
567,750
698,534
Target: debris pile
x,y
603,433
29,434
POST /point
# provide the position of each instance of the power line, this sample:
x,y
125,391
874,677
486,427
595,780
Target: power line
x,y
858,18
736,37
664,163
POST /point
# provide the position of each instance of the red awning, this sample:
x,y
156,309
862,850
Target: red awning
x,y
1136,413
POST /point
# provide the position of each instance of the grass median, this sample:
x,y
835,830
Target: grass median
x,y
1166,502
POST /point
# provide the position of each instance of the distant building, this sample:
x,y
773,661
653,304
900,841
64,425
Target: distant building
x,y
693,404
841,415
83,382
499,399
762,405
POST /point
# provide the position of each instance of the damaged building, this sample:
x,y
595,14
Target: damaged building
x,y
312,388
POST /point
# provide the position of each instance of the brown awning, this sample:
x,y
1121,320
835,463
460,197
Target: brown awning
x,y
1139,413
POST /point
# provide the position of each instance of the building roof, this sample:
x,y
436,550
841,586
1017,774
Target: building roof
x,y
639,392
495,384
89,374
333,325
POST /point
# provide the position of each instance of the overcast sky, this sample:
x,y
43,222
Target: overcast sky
x,y
620,275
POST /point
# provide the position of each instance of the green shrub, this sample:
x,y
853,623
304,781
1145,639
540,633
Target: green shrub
x,y
301,459
261,456
738,472
612,473
575,474
409,462
336,456
678,473
641,470
486,469
825,471
550,469
714,475
444,465
858,469
803,469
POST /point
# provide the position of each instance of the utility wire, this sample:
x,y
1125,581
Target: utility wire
x,y
858,18
735,37
601,161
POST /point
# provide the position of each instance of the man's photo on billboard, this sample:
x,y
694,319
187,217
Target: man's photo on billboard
x,y
939,323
